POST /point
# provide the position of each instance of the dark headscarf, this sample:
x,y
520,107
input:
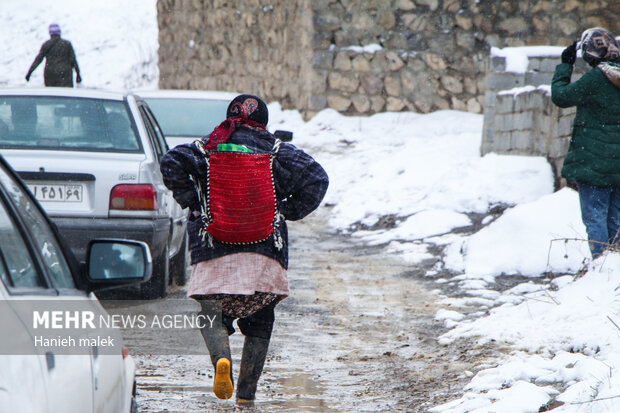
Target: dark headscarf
x,y
244,110
250,107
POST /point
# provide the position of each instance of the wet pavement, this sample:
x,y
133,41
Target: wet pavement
x,y
357,334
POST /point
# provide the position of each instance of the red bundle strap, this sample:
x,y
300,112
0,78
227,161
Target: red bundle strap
x,y
241,197
222,132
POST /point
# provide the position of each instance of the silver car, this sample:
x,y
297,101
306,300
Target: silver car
x,y
91,158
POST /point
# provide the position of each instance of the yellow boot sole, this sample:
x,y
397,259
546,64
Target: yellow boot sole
x,y
222,384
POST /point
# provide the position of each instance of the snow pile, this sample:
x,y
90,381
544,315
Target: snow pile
x,y
517,58
371,48
526,89
568,333
529,239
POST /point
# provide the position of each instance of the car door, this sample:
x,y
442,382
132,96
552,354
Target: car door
x,y
22,376
33,270
173,209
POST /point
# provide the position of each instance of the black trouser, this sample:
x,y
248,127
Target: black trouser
x,y
259,324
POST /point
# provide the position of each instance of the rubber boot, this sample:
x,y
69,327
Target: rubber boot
x,y
252,362
216,339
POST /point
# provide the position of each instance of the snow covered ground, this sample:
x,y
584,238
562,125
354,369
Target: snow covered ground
x,y
115,45
426,170
426,173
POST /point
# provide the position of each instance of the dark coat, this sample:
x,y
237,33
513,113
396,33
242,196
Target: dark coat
x,y
594,151
59,62
300,185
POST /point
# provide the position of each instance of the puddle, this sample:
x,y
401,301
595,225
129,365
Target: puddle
x,y
301,404
176,389
298,392
302,383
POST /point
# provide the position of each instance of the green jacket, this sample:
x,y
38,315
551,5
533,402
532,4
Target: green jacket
x,y
594,151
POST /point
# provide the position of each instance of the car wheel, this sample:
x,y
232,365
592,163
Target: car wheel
x,y
157,286
178,265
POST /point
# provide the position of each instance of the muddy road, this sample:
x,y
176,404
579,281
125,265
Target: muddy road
x,y
357,334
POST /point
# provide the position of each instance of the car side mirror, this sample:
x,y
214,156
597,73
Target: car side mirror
x,y
112,263
283,135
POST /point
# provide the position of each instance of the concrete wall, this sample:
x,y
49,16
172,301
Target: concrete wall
x,y
519,116
359,56
530,124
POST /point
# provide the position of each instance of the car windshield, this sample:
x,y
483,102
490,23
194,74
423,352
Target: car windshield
x,y
66,123
188,117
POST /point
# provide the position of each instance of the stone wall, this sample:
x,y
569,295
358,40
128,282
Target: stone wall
x,y
248,46
359,56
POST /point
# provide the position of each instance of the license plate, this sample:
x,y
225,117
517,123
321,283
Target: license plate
x,y
57,192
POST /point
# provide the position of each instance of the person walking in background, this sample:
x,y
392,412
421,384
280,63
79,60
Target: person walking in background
x,y
593,158
59,58
237,274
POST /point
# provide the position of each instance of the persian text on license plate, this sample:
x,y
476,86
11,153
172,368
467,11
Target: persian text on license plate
x,y
58,193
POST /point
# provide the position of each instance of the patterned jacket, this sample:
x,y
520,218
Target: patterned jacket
x,y
300,185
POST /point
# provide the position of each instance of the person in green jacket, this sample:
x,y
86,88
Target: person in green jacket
x,y
593,158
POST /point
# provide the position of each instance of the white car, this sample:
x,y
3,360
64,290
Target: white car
x,y
38,273
187,115
91,158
